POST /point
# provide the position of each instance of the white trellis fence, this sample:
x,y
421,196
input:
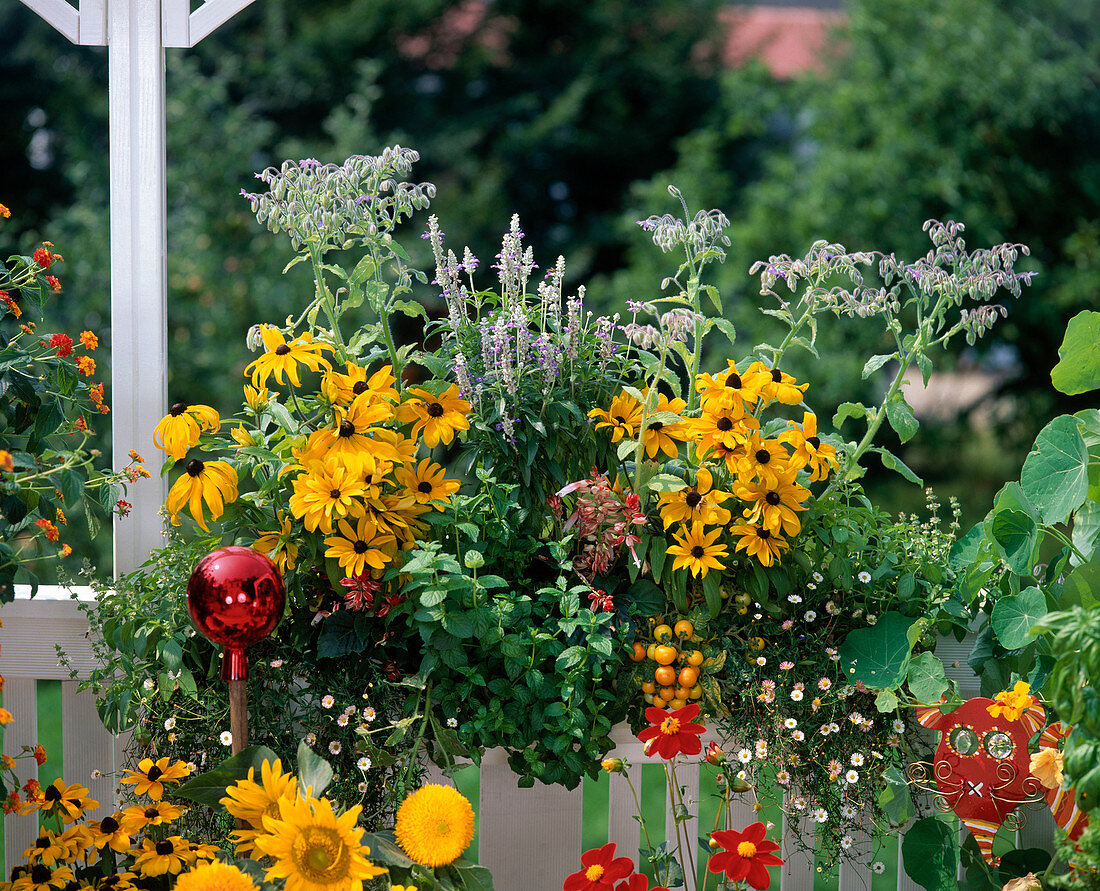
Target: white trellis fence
x,y
529,838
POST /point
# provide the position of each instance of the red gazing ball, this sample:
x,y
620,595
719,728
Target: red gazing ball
x,y
235,597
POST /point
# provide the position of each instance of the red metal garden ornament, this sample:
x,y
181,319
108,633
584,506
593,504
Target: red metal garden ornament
x,y
236,597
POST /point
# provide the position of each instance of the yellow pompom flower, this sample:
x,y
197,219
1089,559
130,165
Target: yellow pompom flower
x,y
181,427
214,482
435,824
284,358
248,800
215,877
314,850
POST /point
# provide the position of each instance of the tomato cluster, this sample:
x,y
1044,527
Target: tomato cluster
x,y
675,678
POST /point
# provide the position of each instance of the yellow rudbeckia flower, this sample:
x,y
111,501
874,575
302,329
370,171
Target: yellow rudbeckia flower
x,y
180,429
213,482
436,418
697,550
281,357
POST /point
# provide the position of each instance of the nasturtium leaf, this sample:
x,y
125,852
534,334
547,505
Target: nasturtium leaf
x,y
1055,473
1015,534
929,853
1082,586
886,701
1011,495
927,680
1086,531
878,656
209,788
894,798
314,772
1013,617
1078,368
965,549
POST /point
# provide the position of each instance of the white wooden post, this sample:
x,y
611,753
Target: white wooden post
x,y
136,33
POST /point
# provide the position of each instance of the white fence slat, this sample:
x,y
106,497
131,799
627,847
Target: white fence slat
x,y
797,872
526,834
21,699
32,628
84,752
59,14
856,872
1039,831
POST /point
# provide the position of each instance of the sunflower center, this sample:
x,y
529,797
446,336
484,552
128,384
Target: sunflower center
x,y
108,825
777,376
724,424
698,551
763,456
734,381
763,533
359,387
693,498
320,856
443,829
347,428
814,441
435,410
52,793
154,774
670,726
151,813
594,872
195,467
772,498
40,874
165,847
424,487
178,409
360,547
746,849
282,349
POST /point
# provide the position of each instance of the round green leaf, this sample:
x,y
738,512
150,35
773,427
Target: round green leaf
x,y
1013,617
929,853
927,680
1015,535
1055,474
879,655
1078,368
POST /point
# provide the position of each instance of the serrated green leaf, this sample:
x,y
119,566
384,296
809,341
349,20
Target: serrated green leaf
x,y
875,363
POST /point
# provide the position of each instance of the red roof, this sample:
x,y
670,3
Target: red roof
x,y
787,39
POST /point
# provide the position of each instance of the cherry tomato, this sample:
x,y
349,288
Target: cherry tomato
x,y
665,675
695,658
650,650
696,692
648,698
682,692
684,629
677,704
757,643
662,634
688,676
648,686
664,655
638,653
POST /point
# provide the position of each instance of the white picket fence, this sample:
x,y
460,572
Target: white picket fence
x,y
529,838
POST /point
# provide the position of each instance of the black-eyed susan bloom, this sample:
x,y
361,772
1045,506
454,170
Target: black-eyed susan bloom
x,y
137,817
775,507
622,418
152,776
249,801
40,877
360,546
282,358
212,482
809,450
698,503
434,825
765,460
721,431
169,856
427,483
181,428
665,437
758,542
774,385
110,832
327,491
68,801
340,389
46,849
281,547
435,418
314,850
350,440
697,550
725,389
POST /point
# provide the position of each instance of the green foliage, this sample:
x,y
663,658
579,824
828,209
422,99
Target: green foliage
x,y
209,788
878,656
1078,367
929,853
459,875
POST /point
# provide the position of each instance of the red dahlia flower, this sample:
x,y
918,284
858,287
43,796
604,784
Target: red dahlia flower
x,y
638,882
601,869
672,732
747,856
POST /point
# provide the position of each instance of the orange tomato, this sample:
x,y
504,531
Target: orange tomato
x,y
695,658
676,704
664,655
696,692
637,654
684,629
662,634
650,650
648,687
682,693
665,675
688,676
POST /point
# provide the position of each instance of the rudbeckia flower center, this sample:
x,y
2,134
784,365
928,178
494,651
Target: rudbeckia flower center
x,y
195,467
40,874
435,410
359,387
734,381
154,774
698,551
282,349
165,847
777,375
347,428
424,487
772,498
656,425
108,825
52,794
593,872
724,424
335,493
693,498
814,441
670,726
43,842
763,456
151,813
746,849
763,533
178,409
360,547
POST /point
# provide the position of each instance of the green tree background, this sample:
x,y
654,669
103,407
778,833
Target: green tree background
x,y
577,116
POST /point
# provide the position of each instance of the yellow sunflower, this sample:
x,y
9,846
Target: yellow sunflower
x,y
340,389
435,824
214,877
360,546
181,427
809,450
427,483
151,776
695,549
698,503
435,418
326,491
314,850
169,855
775,506
284,358
214,482
282,548
41,878
248,800
758,542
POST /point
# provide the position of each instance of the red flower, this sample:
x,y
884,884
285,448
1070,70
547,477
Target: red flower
x,y
638,882
13,308
124,508
43,257
747,855
53,282
63,343
672,732
601,869
40,754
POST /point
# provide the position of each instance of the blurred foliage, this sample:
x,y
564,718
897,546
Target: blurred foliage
x,y
985,112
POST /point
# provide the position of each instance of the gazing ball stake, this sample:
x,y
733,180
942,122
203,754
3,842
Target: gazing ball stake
x,y
236,597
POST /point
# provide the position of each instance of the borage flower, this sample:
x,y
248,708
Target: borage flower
x,y
284,358
746,857
672,732
214,482
600,870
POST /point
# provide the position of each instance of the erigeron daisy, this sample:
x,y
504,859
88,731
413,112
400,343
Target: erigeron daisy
x,y
276,663
761,749
878,867
369,714
798,736
848,812
846,842
311,739
170,724
812,586
328,701
824,684
852,777
810,616
761,661
793,598
871,619
363,788
898,726
824,730
788,624
864,576
342,721
783,778
798,803
744,756
796,695
452,722
786,666
226,738
834,727
820,815
335,747
790,723
148,683
818,577
363,763
857,760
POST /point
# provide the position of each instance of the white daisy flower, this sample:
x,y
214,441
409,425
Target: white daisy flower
x,y
852,776
796,695
790,723
761,749
226,738
812,586
328,701
744,756
846,842
810,616
898,726
864,576
794,598
452,722
878,867
170,724
148,683
848,812
871,619
761,661
798,803
96,774
818,577
857,759
820,815
834,727
798,736
342,720
335,747
363,788
369,714
783,778
311,739
363,763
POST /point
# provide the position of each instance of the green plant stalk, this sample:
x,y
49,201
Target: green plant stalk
x,y
328,302
639,451
641,819
407,777
690,854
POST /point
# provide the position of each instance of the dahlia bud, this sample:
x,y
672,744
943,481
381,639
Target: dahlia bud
x,y
739,785
612,765
714,754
